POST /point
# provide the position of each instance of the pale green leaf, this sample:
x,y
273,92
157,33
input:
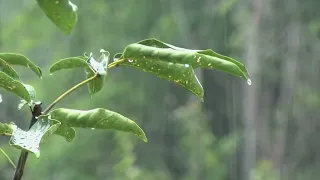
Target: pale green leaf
x,y
30,140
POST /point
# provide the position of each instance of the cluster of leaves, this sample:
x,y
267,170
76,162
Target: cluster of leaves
x,y
151,55
166,61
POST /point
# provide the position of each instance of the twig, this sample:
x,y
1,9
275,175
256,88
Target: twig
x,y
67,92
6,155
115,63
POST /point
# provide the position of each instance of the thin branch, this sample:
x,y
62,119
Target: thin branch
x,y
66,93
6,155
115,63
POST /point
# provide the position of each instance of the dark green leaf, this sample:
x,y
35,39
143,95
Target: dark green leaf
x,y
6,129
68,63
30,140
6,68
195,58
18,59
96,84
240,65
177,73
62,13
97,119
14,86
139,51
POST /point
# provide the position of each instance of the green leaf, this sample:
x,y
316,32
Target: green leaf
x,y
240,65
62,13
158,51
6,129
30,140
14,86
96,84
18,59
178,73
67,132
6,68
97,119
68,63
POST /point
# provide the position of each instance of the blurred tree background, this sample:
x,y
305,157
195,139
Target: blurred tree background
x,y
267,131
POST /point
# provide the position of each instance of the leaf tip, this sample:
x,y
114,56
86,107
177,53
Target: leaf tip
x,y
144,138
37,153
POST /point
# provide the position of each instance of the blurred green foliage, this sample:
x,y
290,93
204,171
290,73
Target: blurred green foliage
x,y
187,140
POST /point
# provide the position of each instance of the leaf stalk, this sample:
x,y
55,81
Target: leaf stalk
x,y
68,92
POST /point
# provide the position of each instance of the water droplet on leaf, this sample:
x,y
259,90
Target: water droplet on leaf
x,y
249,82
186,65
130,60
